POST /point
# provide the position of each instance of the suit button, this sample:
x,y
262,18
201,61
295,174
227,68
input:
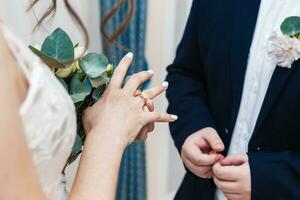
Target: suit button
x,y
258,148
226,130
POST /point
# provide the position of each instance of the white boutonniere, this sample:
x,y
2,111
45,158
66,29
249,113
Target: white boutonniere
x,y
284,49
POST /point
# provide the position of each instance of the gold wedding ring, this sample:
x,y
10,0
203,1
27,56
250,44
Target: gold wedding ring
x,y
140,94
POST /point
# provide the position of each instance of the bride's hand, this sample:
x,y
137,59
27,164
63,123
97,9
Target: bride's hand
x,y
149,107
120,111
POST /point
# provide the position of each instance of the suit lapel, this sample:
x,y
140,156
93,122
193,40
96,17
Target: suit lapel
x,y
245,17
277,83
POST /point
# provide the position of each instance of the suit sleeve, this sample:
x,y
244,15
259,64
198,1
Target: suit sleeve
x,y
186,94
275,175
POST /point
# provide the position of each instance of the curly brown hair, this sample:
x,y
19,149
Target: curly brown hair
x,y
110,38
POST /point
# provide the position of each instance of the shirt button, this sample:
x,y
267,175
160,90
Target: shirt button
x,y
255,86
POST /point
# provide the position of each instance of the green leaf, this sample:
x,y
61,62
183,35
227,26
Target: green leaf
x,y
79,90
77,145
290,26
51,62
101,80
93,64
98,92
59,46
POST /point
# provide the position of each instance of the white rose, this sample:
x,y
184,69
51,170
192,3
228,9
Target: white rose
x,y
284,50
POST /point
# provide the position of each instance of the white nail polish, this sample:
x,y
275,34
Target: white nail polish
x,y
165,84
129,55
174,117
150,71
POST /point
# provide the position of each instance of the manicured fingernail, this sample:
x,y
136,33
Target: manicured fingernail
x,y
174,117
150,71
165,84
129,55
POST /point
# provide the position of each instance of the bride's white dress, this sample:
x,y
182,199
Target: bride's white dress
x,y
48,117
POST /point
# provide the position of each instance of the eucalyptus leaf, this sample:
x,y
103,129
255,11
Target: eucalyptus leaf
x,y
77,145
93,64
72,158
98,92
51,62
291,26
101,80
79,90
59,46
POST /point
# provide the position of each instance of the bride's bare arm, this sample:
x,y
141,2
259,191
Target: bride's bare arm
x,y
18,179
113,123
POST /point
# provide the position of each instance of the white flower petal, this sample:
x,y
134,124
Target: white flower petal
x,y
283,50
78,51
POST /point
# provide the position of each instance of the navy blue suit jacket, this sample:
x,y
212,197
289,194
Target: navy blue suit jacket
x,y
206,83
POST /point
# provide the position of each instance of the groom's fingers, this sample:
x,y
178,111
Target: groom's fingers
x,y
203,171
121,71
215,141
226,186
234,160
228,173
197,157
232,196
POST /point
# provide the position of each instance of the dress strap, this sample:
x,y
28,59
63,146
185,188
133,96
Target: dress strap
x,y
19,50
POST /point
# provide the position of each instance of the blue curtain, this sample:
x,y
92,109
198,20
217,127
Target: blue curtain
x,y
132,177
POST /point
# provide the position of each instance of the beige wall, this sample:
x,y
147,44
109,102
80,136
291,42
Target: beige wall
x,y
166,21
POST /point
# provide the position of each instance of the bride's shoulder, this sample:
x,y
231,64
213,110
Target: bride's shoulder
x,y
10,74
7,60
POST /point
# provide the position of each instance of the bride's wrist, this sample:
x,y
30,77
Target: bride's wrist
x,y
104,135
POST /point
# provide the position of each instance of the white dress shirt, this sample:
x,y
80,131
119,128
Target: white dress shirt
x,y
259,72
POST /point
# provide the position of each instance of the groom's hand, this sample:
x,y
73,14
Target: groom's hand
x,y
232,177
200,152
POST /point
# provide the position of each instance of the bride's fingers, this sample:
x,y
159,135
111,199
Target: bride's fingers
x,y
137,80
142,136
155,91
150,105
157,117
121,71
151,127
149,102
